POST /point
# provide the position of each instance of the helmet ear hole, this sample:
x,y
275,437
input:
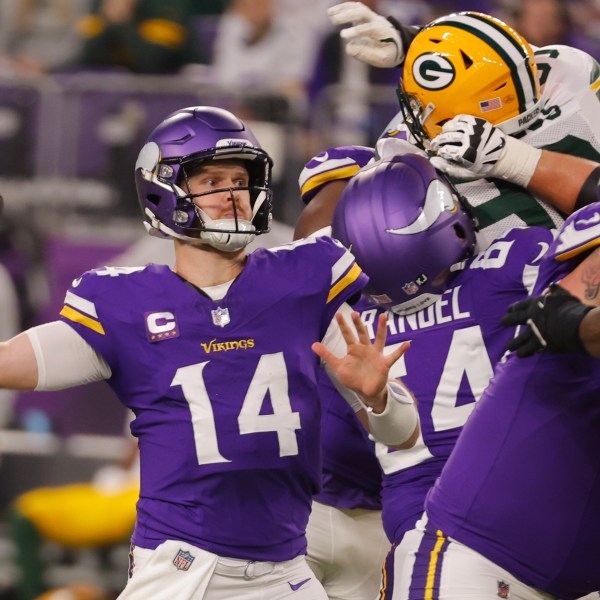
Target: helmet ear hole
x,y
467,60
460,231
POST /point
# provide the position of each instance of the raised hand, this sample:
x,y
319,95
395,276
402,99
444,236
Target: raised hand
x,y
371,38
365,368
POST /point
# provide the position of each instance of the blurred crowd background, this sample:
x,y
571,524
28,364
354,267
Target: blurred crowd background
x,y
82,83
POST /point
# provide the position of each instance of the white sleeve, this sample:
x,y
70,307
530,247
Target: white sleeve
x,y
64,358
334,340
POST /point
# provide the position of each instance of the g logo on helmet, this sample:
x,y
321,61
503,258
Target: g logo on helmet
x,y
433,72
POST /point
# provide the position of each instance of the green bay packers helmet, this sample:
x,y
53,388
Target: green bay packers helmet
x,y
468,63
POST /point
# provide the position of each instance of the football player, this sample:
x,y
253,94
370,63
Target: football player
x,y
217,359
472,63
451,318
513,513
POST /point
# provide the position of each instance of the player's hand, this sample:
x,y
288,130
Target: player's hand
x,y
468,147
387,148
365,368
552,323
371,38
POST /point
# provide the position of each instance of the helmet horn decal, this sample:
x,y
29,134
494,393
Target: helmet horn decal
x,y
437,201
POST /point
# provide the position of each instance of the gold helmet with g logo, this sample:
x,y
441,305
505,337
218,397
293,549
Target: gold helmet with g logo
x,y
469,63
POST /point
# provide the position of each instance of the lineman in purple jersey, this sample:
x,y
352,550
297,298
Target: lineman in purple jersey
x,y
456,339
515,510
217,358
525,457
446,304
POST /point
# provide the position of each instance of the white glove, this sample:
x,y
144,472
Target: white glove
x,y
471,148
453,170
387,148
371,39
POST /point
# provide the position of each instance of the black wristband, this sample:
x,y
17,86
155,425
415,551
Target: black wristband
x,y
407,33
589,190
562,332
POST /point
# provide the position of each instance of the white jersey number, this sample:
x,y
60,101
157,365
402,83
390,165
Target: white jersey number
x,y
282,420
467,357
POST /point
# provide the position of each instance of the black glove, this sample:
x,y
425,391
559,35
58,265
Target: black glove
x,y
552,323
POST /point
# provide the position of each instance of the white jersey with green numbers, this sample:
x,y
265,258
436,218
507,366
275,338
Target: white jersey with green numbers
x,y
568,122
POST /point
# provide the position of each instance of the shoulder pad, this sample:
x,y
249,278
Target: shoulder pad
x,y
334,164
580,233
569,66
347,277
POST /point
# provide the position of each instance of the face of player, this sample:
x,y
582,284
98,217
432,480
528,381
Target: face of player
x,y
227,203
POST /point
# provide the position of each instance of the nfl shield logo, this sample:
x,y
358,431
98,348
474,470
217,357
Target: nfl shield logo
x,y
410,288
183,560
503,589
220,316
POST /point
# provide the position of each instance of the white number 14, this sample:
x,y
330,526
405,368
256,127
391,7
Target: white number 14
x,y
269,378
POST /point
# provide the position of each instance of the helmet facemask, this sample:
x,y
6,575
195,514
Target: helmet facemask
x,y
414,116
195,226
230,234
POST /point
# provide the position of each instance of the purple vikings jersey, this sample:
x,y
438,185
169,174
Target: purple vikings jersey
x,y
224,392
351,472
455,344
522,487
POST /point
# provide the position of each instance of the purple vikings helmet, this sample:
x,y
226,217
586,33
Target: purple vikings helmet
x,y
406,227
176,148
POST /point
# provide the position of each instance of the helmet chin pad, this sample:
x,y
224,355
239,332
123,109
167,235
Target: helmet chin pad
x,y
227,235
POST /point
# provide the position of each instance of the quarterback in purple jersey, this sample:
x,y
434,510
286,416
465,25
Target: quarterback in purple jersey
x,y
218,358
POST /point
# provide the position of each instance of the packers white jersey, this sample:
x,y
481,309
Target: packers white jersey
x,y
568,121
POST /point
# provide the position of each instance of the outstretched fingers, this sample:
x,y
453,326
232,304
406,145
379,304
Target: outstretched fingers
x,y
325,354
359,327
392,357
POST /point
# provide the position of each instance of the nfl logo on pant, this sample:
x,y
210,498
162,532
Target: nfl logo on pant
x,y
183,560
503,589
